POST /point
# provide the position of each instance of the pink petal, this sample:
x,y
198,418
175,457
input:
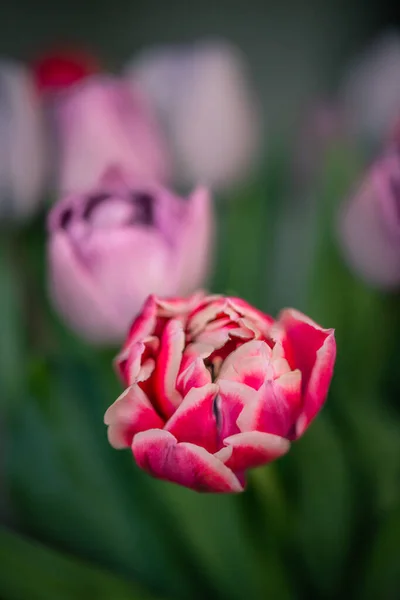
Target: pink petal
x,y
311,349
141,328
276,408
128,363
194,420
170,307
167,367
201,317
252,449
232,398
249,364
144,323
195,375
131,412
158,452
264,322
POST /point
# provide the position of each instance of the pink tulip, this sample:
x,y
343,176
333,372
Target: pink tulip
x,y
23,144
216,387
369,226
112,247
212,118
370,92
101,123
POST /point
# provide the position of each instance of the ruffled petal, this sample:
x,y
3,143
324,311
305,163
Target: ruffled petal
x,y
232,398
249,364
158,452
311,349
194,420
131,412
194,375
252,449
276,407
264,322
167,368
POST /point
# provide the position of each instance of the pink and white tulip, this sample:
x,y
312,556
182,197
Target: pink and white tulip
x,y
101,123
110,248
216,387
369,224
203,96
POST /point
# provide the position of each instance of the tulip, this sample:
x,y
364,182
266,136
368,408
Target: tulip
x,y
369,224
22,143
370,92
101,123
62,68
110,248
215,387
202,95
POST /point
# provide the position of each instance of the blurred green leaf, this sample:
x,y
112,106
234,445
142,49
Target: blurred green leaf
x,y
65,489
12,339
375,444
382,568
324,506
215,526
30,571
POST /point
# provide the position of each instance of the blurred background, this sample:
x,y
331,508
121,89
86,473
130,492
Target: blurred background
x,y
309,97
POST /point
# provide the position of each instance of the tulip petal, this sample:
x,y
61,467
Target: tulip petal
x,y
141,328
263,321
167,368
158,452
194,375
252,449
249,364
232,398
194,420
131,412
276,408
311,349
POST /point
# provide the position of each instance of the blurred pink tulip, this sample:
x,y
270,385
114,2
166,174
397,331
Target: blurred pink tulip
x,y
369,224
215,387
100,123
110,248
370,92
22,143
202,95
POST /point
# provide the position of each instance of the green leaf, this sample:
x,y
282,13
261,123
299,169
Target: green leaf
x,y
216,527
382,568
30,571
323,505
70,487
12,339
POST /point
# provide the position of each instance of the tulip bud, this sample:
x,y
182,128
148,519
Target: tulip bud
x,y
101,123
369,224
211,118
371,91
111,247
61,69
22,143
215,387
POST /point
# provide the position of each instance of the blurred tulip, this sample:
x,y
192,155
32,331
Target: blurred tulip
x,y
216,387
369,225
22,143
112,247
371,91
202,94
101,123
62,68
